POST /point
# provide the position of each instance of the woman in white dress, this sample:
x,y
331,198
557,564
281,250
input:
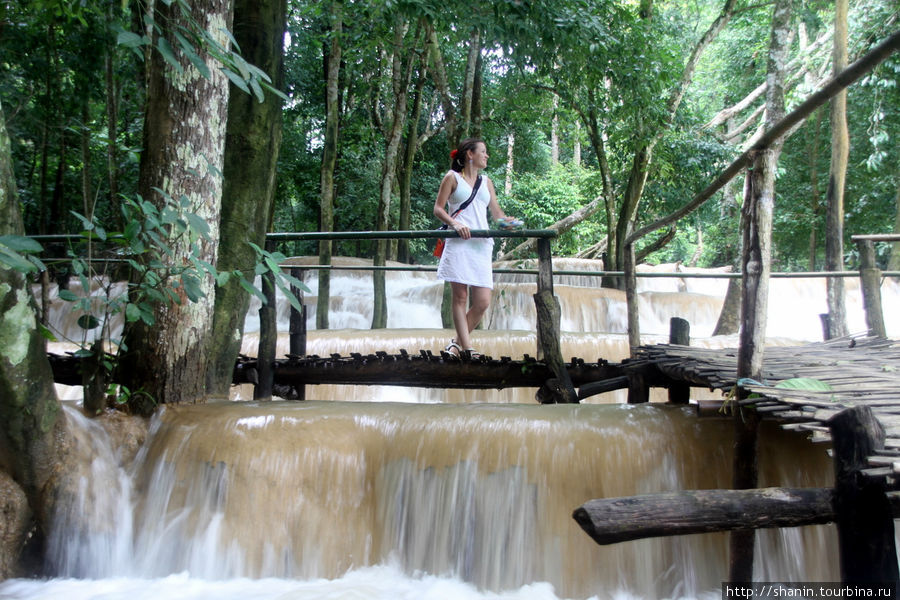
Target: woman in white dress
x,y
466,261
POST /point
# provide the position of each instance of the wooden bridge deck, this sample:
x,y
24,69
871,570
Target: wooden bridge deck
x,y
862,370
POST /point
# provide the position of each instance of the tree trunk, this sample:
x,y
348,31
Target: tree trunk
x,y
409,158
34,437
85,137
184,142
815,200
468,91
400,77
253,138
112,122
840,148
510,162
441,82
332,60
758,207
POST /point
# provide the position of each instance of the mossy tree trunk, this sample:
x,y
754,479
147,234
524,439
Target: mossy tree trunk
x,y
34,439
183,151
252,142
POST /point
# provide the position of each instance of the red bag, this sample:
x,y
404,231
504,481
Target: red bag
x,y
439,247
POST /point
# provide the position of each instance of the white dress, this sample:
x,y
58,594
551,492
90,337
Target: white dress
x,y
469,261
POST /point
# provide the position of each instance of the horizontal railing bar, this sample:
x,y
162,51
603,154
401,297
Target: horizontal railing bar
x,y
556,273
402,235
877,237
355,235
428,268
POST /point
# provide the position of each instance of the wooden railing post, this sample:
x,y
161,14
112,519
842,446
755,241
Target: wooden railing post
x,y
631,300
297,328
870,283
864,517
680,334
560,388
268,336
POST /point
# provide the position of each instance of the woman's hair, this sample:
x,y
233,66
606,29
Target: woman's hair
x,y
458,156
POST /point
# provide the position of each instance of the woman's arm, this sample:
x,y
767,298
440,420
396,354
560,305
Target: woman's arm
x,y
494,205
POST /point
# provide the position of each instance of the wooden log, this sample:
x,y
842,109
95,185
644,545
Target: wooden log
x,y
600,387
864,516
548,317
870,283
614,520
680,334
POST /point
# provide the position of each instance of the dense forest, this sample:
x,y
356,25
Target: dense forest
x,y
570,97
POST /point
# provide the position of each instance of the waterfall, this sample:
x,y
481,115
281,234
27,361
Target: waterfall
x,y
474,494
403,493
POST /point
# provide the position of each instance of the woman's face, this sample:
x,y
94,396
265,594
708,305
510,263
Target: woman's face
x,y
479,155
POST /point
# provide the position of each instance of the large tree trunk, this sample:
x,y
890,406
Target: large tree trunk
x,y
34,438
332,61
834,217
184,143
759,204
253,139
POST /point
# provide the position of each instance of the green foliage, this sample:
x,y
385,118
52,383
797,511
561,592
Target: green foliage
x,y
192,39
20,253
540,201
156,280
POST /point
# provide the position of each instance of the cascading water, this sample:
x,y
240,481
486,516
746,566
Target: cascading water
x,y
431,494
477,495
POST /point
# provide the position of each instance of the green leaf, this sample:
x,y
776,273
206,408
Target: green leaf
x,y
195,59
257,91
192,288
16,261
21,243
46,333
162,44
198,224
804,383
222,278
295,302
130,39
236,80
67,295
88,322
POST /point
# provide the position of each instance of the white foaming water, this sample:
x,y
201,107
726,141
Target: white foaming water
x,y
367,500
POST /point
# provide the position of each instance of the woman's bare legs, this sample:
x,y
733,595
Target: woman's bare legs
x,y
466,318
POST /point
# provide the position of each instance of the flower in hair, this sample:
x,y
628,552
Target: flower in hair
x,y
453,154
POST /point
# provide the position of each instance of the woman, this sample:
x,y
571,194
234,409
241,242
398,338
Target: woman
x,y
466,261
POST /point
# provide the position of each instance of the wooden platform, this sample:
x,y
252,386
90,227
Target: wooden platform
x,y
859,371
428,370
